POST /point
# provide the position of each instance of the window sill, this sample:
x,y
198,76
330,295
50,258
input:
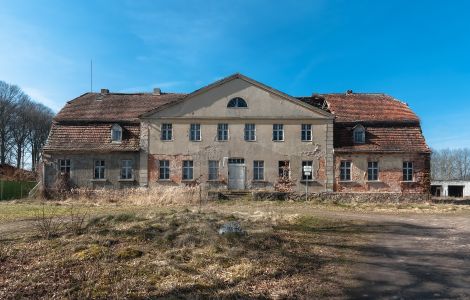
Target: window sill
x,y
126,180
196,141
346,181
163,180
374,181
116,142
187,180
278,141
98,180
305,181
259,181
167,140
214,180
221,141
306,141
411,181
250,140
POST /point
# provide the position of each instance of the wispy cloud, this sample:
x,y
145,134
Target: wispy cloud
x,y
39,96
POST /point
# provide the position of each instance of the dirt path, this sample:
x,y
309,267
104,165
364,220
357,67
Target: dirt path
x,y
412,257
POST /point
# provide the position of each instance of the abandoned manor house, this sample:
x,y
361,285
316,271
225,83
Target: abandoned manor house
x,y
239,134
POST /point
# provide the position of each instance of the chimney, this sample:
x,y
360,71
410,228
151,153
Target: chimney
x,y
104,91
157,91
349,92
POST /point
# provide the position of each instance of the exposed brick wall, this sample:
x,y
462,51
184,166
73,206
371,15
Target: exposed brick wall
x,y
176,168
390,173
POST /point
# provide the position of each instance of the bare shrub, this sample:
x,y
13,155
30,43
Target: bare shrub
x,y
48,225
76,224
165,195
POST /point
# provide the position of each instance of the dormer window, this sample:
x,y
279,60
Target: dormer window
x,y
237,102
359,134
116,133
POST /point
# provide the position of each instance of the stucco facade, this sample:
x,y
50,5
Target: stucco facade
x,y
264,108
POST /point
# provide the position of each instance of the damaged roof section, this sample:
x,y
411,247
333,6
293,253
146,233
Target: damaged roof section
x,y
113,107
94,137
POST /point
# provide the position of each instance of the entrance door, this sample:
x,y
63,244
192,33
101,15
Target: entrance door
x,y
236,174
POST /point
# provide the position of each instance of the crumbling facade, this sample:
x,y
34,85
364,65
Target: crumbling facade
x,y
239,134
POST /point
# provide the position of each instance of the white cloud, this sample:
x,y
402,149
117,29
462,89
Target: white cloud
x,y
39,96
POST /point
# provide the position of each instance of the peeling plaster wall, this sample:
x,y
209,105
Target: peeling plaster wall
x,y
390,173
271,152
82,168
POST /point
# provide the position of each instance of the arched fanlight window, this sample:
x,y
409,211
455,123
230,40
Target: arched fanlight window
x,y
116,133
359,134
237,102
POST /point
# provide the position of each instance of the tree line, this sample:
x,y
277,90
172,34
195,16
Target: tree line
x,y
450,164
24,127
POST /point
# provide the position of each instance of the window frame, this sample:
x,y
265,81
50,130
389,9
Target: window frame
x,y
166,130
359,131
409,168
213,170
281,172
127,169
222,131
309,177
67,165
188,165
372,171
258,170
195,134
278,132
249,134
163,169
101,168
305,132
116,128
238,102
345,168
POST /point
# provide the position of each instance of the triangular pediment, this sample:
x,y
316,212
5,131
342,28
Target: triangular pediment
x,y
263,102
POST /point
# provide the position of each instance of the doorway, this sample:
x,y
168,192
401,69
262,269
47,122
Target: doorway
x,y
236,174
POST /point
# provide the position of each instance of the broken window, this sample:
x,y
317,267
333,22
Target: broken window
x,y
284,169
164,168
307,163
64,166
345,171
167,132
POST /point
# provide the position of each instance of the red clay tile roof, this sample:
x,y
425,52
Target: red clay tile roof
x,y
393,137
113,106
95,137
359,107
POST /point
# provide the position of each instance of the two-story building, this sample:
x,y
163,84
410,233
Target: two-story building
x,y
238,134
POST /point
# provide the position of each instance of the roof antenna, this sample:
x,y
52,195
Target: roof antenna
x,y
91,76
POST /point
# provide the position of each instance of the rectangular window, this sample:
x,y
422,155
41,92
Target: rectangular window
x,y
213,169
99,169
306,134
278,132
195,132
258,170
284,169
372,171
126,169
407,171
187,169
167,132
164,167
307,176
222,132
64,166
250,132
345,171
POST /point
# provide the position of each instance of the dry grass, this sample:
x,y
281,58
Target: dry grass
x,y
178,253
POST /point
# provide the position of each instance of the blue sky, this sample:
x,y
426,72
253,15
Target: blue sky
x,y
417,51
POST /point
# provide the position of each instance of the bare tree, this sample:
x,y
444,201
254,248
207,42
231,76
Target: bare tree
x,y
451,164
9,95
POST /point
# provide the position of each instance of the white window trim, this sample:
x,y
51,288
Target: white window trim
x,y
119,128
311,133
